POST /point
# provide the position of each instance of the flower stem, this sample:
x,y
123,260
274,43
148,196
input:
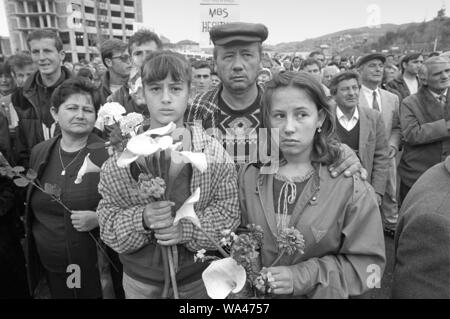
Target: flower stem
x,y
165,258
172,274
219,248
278,258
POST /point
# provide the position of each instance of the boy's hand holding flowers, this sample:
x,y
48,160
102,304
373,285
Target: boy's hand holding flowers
x,y
158,217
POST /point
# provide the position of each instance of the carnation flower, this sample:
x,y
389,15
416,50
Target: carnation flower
x,y
264,282
291,240
200,255
109,114
130,122
151,187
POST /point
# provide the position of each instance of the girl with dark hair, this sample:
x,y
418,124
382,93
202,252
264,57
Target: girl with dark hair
x,y
60,244
338,218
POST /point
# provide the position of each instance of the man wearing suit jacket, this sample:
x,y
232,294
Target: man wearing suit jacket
x,y
371,69
425,123
362,129
422,240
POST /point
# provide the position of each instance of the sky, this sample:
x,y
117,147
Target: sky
x,y
287,20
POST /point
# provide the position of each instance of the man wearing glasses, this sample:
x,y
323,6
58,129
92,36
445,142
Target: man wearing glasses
x,y
117,60
140,45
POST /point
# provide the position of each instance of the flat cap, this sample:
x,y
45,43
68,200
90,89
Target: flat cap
x,y
238,31
370,57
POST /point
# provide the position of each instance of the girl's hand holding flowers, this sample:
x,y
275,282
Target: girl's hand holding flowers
x,y
282,282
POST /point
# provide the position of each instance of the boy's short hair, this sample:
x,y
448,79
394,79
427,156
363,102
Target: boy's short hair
x,y
45,34
108,46
342,76
201,65
310,61
143,36
159,64
19,61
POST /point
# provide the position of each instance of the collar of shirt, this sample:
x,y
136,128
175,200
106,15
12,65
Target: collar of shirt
x,y
436,96
368,93
345,122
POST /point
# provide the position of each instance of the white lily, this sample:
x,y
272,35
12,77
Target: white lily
x,y
187,210
222,277
144,145
196,159
87,167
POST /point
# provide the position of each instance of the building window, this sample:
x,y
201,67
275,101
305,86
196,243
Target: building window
x,y
79,39
128,3
90,23
65,38
117,26
116,14
115,1
129,27
89,9
129,15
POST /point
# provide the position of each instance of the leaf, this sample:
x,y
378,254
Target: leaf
x,y
18,169
31,174
21,182
187,210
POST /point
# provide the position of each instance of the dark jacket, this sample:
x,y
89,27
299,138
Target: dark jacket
x,y
422,240
13,280
27,105
84,257
123,97
398,86
5,146
105,90
425,133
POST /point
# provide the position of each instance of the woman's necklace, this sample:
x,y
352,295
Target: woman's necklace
x,y
63,173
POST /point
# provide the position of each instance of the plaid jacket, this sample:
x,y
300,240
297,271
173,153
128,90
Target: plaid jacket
x,y
120,210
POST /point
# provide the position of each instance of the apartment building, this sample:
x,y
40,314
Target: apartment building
x,y
81,24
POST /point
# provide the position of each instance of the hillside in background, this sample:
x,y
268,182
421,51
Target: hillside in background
x,y
390,37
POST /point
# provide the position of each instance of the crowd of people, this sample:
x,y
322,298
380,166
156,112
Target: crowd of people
x,y
358,151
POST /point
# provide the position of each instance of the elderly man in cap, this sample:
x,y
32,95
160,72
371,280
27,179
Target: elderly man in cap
x,y
372,96
425,124
233,109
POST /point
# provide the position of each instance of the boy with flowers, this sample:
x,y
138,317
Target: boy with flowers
x,y
141,193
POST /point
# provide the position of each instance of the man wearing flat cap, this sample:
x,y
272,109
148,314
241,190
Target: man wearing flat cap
x,y
233,109
234,106
371,68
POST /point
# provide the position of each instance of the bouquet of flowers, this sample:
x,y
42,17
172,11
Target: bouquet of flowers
x,y
242,267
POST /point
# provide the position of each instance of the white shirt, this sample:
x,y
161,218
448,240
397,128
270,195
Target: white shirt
x,y
412,85
345,122
368,93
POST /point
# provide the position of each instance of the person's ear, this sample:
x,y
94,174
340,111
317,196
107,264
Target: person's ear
x,y
54,113
321,119
62,55
108,62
